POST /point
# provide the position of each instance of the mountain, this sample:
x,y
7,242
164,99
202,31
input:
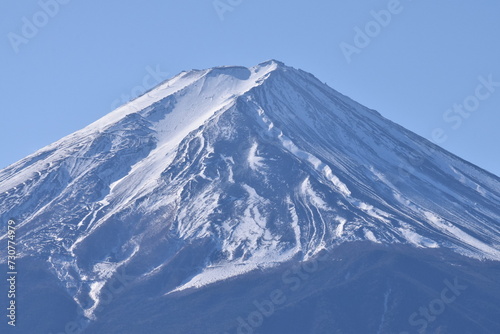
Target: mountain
x,y
251,200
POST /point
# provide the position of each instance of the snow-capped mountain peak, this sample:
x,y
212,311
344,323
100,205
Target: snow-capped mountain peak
x,y
239,169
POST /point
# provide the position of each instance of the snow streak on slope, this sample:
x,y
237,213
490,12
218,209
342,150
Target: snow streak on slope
x,y
218,172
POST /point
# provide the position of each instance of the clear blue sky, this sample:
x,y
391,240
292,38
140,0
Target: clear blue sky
x,y
87,56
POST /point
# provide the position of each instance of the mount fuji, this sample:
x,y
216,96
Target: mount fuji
x,y
251,200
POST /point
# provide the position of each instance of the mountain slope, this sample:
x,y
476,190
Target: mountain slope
x,y
220,173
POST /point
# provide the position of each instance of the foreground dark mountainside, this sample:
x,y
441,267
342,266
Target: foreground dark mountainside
x,y
251,200
360,289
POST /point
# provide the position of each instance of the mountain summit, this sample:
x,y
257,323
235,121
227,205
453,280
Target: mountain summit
x,y
217,175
